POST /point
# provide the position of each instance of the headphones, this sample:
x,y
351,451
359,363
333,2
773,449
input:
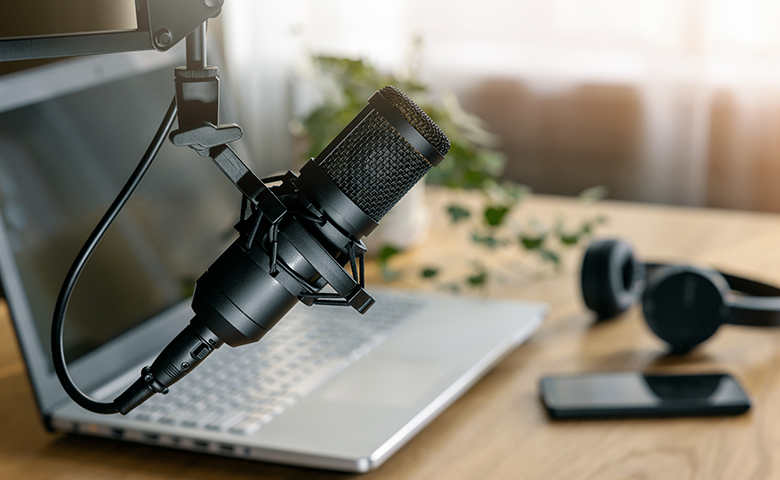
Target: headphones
x,y
683,305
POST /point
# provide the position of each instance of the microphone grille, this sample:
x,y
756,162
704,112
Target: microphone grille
x,y
417,118
375,166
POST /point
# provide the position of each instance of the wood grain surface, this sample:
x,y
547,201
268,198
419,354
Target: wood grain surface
x,y
499,429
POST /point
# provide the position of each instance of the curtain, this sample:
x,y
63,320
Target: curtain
x,y
693,85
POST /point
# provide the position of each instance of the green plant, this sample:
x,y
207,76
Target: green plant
x,y
473,163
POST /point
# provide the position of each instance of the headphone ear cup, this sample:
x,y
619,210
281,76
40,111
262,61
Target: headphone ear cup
x,y
611,278
684,306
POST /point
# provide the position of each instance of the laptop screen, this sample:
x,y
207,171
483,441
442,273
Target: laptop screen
x,y
63,159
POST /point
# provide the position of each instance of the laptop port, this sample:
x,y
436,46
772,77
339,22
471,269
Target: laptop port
x,y
151,436
201,443
117,433
227,448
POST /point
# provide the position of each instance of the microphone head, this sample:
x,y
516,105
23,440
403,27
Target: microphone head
x,y
417,118
386,150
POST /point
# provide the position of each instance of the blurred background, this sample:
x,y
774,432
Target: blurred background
x,y
667,101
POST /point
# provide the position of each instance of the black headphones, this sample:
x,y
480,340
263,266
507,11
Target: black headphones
x,y
683,305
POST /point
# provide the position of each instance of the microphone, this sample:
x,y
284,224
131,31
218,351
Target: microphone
x,y
290,248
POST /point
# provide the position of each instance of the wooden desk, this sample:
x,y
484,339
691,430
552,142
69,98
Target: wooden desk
x,y
499,429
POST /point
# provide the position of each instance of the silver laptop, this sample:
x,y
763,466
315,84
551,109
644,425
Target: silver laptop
x,y
326,388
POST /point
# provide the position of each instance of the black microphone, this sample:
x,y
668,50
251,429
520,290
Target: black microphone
x,y
289,254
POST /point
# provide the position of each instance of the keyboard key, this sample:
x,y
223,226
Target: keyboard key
x,y
150,416
200,419
247,426
227,420
178,416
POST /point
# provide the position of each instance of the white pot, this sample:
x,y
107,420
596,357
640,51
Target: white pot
x,y
405,226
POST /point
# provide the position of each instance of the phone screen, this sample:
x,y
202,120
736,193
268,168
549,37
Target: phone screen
x,y
637,394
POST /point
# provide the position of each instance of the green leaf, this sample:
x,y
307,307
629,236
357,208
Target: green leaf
x,y
587,228
429,272
532,243
517,191
389,274
569,238
488,241
386,253
457,213
593,194
550,256
478,280
494,216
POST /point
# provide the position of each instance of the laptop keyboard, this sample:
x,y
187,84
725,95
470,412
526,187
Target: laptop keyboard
x,y
241,389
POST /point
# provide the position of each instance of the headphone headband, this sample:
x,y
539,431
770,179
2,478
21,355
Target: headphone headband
x,y
755,304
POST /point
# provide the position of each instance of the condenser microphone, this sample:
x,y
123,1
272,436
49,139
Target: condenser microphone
x,y
373,162
290,248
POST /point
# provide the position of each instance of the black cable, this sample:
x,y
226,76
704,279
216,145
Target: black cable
x,y
58,352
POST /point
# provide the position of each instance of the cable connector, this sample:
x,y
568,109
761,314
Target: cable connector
x,y
184,353
154,384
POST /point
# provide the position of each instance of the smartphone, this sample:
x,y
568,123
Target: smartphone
x,y
636,394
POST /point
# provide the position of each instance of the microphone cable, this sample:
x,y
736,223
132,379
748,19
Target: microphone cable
x,y
58,351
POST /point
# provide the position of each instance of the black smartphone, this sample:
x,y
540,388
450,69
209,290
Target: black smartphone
x,y
636,394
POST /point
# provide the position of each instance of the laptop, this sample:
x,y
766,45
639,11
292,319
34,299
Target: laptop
x,y
326,388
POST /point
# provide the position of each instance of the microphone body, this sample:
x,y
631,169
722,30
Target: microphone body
x,y
352,184
338,198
